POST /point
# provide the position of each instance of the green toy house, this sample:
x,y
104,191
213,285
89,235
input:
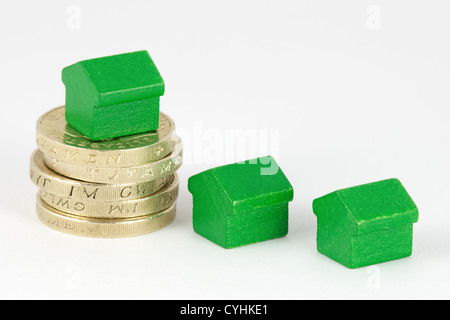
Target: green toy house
x,y
366,224
241,203
113,96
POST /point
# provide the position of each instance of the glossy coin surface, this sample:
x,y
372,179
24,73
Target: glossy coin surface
x,y
156,202
103,228
62,142
141,173
52,182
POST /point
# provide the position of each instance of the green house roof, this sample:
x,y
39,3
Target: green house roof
x,y
254,183
118,78
371,206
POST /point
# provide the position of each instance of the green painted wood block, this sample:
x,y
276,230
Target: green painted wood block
x,y
241,203
366,224
113,96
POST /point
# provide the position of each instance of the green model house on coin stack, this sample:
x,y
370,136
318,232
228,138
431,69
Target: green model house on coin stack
x,y
241,203
366,224
113,96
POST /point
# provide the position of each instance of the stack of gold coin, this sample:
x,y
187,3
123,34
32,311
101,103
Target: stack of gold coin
x,y
114,188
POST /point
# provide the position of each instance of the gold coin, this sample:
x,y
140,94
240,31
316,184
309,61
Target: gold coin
x,y
141,173
62,142
114,209
103,228
52,182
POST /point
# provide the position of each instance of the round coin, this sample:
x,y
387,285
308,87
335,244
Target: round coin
x,y
52,182
141,173
62,142
114,209
103,228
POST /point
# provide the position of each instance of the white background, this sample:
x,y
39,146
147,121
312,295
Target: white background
x,y
357,91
